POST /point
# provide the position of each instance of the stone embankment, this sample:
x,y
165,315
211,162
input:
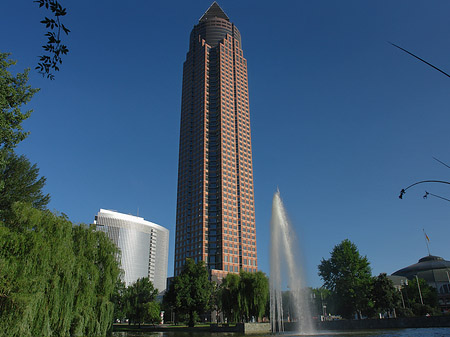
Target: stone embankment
x,y
246,328
388,323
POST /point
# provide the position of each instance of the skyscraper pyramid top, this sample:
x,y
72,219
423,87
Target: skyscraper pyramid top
x,y
214,11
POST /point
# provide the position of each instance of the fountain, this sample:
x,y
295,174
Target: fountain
x,y
285,267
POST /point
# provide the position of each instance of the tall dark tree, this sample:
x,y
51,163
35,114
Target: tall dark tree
x,y
21,183
347,274
169,302
138,295
229,290
191,290
118,299
216,301
384,295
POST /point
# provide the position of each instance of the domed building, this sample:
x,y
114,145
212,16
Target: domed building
x,y
436,271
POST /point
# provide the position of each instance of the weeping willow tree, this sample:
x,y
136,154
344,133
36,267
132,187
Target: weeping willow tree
x,y
253,294
244,296
56,279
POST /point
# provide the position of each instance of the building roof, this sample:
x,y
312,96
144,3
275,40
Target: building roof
x,y
131,218
214,11
427,263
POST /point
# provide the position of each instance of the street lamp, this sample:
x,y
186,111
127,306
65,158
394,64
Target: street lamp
x,y
403,191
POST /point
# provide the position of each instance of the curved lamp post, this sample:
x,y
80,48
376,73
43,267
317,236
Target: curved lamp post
x,y
403,191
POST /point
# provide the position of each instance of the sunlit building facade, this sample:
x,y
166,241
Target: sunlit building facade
x,y
215,219
144,246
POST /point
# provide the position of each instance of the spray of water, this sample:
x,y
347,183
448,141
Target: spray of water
x,y
285,266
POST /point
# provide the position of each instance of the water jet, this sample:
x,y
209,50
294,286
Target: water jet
x,y
286,270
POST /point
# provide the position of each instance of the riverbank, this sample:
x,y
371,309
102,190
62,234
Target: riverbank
x,y
387,323
160,328
246,328
264,328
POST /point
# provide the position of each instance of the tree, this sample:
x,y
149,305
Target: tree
x,y
347,274
253,294
14,92
244,296
55,278
192,290
152,313
429,297
384,295
169,301
21,182
215,301
118,299
229,290
138,295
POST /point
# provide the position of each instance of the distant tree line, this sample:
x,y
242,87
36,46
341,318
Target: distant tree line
x,y
238,298
351,291
192,297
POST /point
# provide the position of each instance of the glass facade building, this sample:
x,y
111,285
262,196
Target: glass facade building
x,y
144,246
215,219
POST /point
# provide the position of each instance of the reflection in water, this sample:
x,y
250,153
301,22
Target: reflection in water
x,y
436,332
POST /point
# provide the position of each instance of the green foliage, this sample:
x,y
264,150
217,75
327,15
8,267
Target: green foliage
x,y
429,296
21,183
384,295
14,92
404,312
118,299
347,274
193,289
56,279
54,49
253,294
152,312
190,292
240,297
137,296
230,297
244,296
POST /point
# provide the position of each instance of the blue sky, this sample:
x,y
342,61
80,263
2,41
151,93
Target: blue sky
x,y
340,119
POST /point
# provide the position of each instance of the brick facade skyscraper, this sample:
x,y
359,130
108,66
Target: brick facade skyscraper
x,y
215,206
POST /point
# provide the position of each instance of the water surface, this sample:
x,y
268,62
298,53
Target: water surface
x,y
426,332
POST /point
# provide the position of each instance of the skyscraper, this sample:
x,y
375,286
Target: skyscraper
x,y
215,206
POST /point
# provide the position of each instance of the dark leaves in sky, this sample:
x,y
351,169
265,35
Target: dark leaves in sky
x,y
54,49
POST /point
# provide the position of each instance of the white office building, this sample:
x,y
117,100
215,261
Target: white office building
x,y
144,246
